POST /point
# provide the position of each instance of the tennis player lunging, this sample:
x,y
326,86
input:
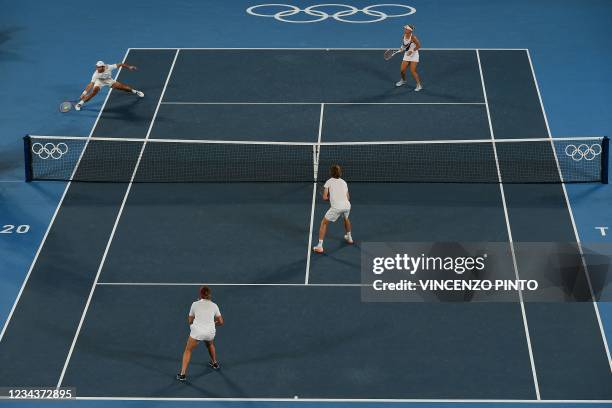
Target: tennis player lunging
x,y
203,318
411,45
336,191
103,76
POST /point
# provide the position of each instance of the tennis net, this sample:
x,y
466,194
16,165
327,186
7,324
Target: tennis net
x,y
545,160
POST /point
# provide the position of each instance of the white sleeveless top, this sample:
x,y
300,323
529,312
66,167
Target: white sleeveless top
x,y
409,44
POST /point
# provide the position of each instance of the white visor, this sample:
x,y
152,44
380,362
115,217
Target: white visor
x,y
100,64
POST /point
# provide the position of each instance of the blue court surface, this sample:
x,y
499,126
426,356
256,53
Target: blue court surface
x,y
97,277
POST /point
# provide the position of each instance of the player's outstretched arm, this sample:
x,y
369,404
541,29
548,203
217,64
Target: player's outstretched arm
x,y
128,66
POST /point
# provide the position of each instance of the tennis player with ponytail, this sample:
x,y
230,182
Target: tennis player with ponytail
x,y
203,318
410,46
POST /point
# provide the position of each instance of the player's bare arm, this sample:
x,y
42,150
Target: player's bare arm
x,y
127,66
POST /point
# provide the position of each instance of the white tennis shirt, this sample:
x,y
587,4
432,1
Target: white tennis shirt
x,y
338,190
106,74
204,312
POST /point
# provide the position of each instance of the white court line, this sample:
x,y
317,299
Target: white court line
x,y
510,239
331,285
373,400
314,193
112,234
571,214
326,49
42,243
311,226
327,103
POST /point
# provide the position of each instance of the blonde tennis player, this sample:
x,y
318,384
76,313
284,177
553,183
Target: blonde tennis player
x,y
336,191
103,76
204,317
410,45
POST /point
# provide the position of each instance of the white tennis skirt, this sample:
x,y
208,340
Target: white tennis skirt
x,y
414,57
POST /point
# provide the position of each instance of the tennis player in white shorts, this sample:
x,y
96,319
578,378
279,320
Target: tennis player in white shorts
x,y
336,191
203,318
103,76
410,45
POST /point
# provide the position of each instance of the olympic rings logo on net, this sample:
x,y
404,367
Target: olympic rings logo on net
x,y
583,151
318,14
55,151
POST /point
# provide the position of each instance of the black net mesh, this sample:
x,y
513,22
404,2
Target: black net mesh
x,y
476,161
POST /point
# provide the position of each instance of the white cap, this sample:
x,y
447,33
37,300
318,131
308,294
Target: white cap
x,y
100,64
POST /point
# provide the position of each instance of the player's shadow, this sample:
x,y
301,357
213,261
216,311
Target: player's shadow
x,y
6,35
126,110
308,348
332,254
381,74
392,92
235,389
290,272
176,388
232,387
157,364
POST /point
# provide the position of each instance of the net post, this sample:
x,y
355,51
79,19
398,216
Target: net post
x,y
27,157
605,154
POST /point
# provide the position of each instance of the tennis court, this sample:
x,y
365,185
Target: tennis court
x,y
121,262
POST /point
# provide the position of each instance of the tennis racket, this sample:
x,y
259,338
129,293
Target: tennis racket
x,y
67,106
390,53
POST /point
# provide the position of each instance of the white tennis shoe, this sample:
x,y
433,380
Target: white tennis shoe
x,y
318,249
140,94
401,82
418,88
348,239
78,106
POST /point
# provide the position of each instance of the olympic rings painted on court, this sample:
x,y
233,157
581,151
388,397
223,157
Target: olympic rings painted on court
x,y
320,15
583,151
44,151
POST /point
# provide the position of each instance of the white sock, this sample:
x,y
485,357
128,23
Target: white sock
x,y
348,235
134,91
320,243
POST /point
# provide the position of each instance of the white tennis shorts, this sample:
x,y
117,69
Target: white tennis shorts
x,y
414,57
201,335
101,83
334,213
